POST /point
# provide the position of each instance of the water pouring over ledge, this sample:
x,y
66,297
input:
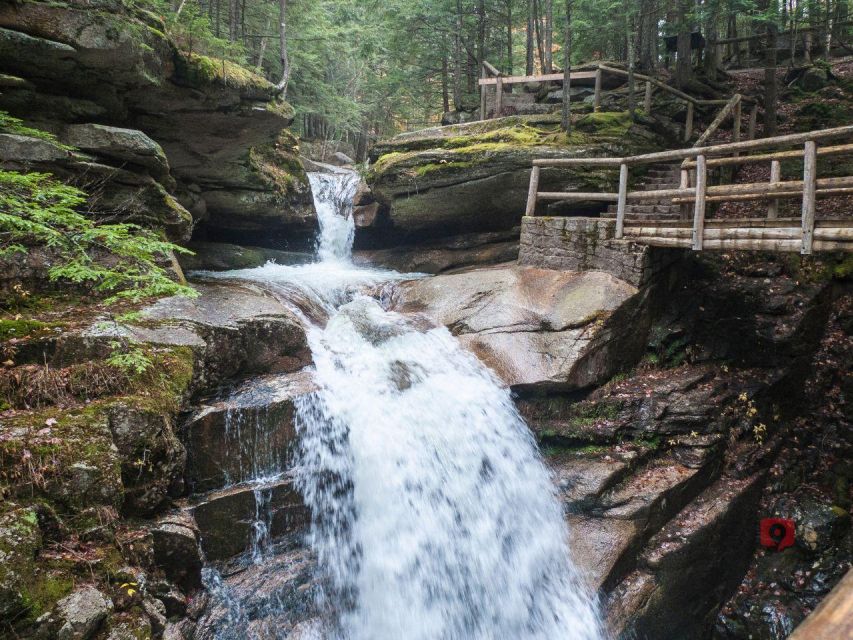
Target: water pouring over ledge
x,y
433,515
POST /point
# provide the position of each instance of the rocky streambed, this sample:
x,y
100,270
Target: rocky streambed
x,y
659,410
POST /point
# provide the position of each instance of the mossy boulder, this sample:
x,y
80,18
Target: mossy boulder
x,y
474,177
20,540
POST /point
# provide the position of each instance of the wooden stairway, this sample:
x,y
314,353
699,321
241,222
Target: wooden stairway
x,y
659,176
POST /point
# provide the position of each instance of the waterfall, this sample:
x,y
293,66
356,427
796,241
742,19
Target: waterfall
x,y
433,514
333,197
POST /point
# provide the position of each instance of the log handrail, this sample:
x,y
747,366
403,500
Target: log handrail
x,y
725,112
692,152
491,76
697,158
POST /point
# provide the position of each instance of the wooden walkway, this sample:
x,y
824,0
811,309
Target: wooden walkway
x,y
806,234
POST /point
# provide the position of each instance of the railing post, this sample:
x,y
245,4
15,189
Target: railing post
x,y
809,190
483,75
737,124
699,209
623,199
775,176
684,184
597,98
532,191
753,119
688,124
647,99
499,96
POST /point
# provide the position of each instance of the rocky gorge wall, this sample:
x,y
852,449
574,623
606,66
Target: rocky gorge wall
x,y
155,135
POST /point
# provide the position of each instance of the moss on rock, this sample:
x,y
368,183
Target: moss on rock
x,y
200,71
609,124
20,540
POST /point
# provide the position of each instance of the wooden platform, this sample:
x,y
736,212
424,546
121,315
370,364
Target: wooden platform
x,y
833,619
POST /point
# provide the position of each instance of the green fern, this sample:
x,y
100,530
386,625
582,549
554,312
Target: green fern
x,y
117,260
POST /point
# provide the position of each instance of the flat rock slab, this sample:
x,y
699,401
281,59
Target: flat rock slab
x,y
532,327
582,478
225,518
246,434
600,545
234,329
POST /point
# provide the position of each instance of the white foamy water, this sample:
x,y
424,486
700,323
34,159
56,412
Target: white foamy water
x,y
433,515
333,199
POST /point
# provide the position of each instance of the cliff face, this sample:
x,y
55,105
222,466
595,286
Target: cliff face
x,y
172,139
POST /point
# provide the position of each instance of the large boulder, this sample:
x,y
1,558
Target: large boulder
x,y
534,327
78,616
474,177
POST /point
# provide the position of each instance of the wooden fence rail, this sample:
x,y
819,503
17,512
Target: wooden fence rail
x,y
777,235
491,76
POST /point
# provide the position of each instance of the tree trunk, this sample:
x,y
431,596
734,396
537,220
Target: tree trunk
x,y
509,36
648,34
282,51
549,36
263,46
828,36
481,34
445,77
712,51
567,70
770,94
683,64
458,63
233,19
540,45
530,13
630,32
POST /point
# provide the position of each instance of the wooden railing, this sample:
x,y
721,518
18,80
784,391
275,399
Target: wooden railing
x,y
774,235
491,76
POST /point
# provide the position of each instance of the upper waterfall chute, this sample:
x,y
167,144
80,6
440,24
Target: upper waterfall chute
x,y
333,199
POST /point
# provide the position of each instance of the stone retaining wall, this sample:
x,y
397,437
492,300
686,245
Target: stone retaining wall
x,y
587,244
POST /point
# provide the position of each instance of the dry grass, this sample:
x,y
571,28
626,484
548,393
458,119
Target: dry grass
x,y
37,386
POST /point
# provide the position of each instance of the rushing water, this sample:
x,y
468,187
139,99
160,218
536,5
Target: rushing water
x,y
434,517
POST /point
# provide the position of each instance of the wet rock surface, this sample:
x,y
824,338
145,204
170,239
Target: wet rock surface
x,y
532,327
447,254
809,483
247,434
664,469
273,599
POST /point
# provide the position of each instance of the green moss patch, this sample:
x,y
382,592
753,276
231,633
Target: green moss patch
x,y
199,70
606,123
18,329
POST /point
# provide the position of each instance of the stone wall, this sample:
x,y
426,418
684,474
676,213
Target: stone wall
x,y
587,244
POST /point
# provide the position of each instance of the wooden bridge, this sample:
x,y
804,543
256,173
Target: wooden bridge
x,y
805,234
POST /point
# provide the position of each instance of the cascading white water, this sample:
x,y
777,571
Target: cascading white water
x,y
433,515
333,198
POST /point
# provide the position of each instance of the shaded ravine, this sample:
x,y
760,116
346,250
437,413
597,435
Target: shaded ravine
x,y
433,515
